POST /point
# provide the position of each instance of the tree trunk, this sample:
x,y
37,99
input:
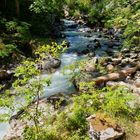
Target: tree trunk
x,y
17,7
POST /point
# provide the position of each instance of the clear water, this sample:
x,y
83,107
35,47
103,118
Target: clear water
x,y
3,129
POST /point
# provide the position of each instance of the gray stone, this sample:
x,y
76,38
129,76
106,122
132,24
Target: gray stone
x,y
133,55
137,82
128,61
50,63
103,128
109,133
125,50
84,30
116,61
110,68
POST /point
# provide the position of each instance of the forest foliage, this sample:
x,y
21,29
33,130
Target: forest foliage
x,y
21,21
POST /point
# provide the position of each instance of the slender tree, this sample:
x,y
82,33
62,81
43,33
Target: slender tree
x,y
17,4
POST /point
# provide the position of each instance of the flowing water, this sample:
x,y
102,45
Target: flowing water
x,y
77,35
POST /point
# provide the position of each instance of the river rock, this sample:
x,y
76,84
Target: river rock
x,y
118,55
136,49
137,75
105,30
84,30
126,61
50,63
90,68
66,11
116,61
15,131
114,83
137,83
127,55
138,57
80,21
110,68
117,43
56,63
133,55
91,54
118,32
109,31
104,128
128,84
125,50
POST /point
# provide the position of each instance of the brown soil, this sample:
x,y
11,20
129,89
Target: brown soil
x,y
102,122
136,135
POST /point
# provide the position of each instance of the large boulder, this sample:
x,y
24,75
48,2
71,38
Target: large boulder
x,y
128,61
104,128
50,63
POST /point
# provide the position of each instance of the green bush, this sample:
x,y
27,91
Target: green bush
x,y
5,50
15,34
78,8
45,14
18,29
125,14
77,121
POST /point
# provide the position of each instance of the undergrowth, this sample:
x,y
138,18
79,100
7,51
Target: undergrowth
x,y
70,123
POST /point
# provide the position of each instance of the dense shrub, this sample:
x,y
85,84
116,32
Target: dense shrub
x,y
14,35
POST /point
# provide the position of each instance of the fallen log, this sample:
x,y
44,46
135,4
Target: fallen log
x,y
116,75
